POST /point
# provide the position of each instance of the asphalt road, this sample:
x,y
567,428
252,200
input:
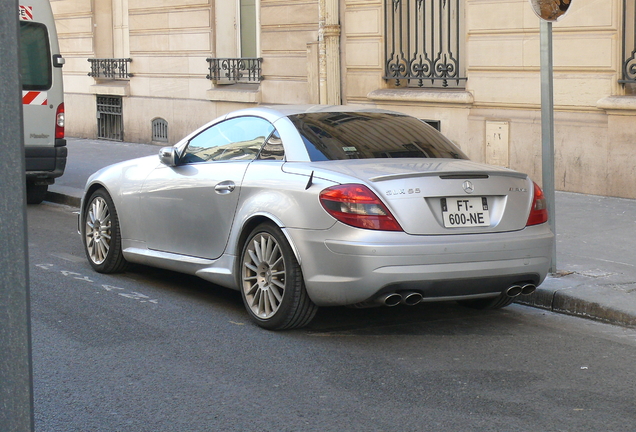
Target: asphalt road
x,y
151,350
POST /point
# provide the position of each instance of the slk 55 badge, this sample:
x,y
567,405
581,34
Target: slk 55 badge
x,y
402,191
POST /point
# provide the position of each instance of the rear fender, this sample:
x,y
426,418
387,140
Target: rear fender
x,y
238,239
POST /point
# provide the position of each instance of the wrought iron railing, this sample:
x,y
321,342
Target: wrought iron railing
x,y
423,42
110,68
235,70
629,42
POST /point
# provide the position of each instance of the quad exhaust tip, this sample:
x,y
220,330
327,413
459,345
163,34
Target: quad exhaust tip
x,y
518,289
391,299
411,298
514,291
408,298
528,289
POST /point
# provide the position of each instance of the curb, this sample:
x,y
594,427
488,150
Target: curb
x,y
582,301
61,198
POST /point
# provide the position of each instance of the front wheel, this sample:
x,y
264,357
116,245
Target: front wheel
x,y
101,235
272,284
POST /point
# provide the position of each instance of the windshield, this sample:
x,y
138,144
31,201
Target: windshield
x,y
35,56
353,135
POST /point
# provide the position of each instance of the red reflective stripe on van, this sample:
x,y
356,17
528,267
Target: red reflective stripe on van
x,y
26,13
34,98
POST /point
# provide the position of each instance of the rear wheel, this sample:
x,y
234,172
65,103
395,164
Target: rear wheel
x,y
489,303
101,235
272,284
35,193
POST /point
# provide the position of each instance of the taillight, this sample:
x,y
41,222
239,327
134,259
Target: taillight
x,y
358,206
539,209
59,121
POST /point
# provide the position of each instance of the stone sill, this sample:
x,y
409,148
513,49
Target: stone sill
x,y
111,88
620,105
246,93
446,97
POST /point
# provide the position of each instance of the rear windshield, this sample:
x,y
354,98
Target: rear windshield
x,y
339,136
35,56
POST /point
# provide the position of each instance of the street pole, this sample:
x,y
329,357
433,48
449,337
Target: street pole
x,y
16,373
547,129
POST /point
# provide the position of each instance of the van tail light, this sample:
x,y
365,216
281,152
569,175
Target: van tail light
x,y
358,206
59,121
539,209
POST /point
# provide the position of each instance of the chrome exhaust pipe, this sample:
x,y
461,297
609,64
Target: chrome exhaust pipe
x,y
514,291
411,298
390,299
528,289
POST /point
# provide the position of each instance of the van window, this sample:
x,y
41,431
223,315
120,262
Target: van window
x,y
35,56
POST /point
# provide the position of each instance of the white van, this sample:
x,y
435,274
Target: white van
x,y
42,98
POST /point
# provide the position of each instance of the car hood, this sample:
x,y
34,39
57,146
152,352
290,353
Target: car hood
x,y
124,176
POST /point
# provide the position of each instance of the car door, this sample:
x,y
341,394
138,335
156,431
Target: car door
x,y
188,209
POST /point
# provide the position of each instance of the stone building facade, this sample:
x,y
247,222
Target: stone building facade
x,y
470,67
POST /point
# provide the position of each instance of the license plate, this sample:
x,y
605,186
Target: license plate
x,y
465,212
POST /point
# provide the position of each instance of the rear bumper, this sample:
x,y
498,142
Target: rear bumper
x,y
45,162
369,264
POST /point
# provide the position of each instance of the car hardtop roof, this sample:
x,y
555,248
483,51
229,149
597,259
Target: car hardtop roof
x,y
274,112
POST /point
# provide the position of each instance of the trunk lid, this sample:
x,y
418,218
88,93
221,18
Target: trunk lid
x,y
442,196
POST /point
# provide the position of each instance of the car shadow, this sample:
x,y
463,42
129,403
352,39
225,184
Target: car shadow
x,y
434,318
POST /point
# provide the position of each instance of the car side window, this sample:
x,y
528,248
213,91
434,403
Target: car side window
x,y
273,148
239,138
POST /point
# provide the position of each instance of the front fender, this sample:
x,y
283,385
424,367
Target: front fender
x,y
123,182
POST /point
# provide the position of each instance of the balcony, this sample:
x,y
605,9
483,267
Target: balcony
x,y
235,70
110,68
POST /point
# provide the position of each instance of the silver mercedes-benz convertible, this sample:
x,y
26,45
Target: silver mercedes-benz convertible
x,y
301,207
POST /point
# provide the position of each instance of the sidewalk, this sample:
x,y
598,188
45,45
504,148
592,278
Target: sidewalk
x,y
596,239
87,156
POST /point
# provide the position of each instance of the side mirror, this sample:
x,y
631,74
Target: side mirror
x,y
168,156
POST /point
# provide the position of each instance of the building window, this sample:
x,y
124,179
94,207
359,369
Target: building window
x,y
424,43
110,125
248,29
629,42
237,46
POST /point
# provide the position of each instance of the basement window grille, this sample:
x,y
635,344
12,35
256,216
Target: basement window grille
x,y
436,124
110,125
160,130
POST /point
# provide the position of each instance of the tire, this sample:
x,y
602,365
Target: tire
x,y
489,303
101,235
271,281
35,193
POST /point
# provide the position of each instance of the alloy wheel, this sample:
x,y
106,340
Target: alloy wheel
x,y
98,230
263,275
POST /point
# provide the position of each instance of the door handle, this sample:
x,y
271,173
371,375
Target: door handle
x,y
225,187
